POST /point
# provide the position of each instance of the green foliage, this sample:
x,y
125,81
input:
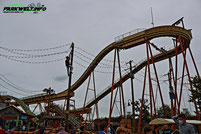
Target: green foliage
x,y
160,112
145,111
187,113
196,91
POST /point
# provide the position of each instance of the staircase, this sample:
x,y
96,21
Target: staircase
x,y
71,117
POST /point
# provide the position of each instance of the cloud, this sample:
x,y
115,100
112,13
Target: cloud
x,y
61,78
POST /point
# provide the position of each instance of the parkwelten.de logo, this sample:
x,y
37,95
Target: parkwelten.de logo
x,y
30,9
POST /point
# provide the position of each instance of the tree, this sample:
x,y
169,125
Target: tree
x,y
187,113
196,91
145,111
160,112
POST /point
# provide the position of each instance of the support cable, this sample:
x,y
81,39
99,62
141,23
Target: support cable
x,y
25,91
12,90
8,81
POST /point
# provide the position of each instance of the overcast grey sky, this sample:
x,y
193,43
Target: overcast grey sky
x,y
91,25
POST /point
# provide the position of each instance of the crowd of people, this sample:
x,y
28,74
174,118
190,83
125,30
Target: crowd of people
x,y
180,121
182,128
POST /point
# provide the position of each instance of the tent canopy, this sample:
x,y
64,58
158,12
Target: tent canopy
x,y
162,121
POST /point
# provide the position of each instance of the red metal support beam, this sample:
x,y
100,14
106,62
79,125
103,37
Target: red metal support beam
x,y
175,79
149,74
112,102
115,98
156,95
157,80
120,103
154,103
170,84
111,98
196,69
85,101
172,73
121,83
35,108
189,78
96,103
141,108
181,87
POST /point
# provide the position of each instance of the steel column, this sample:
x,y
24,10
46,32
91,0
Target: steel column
x,y
171,71
115,98
35,108
175,79
85,101
96,103
120,103
157,80
111,98
122,91
196,69
181,88
150,84
141,108
189,77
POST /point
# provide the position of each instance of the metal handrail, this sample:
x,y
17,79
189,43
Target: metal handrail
x,y
121,37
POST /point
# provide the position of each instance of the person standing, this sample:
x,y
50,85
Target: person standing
x,y
167,130
103,130
62,131
156,130
184,128
147,130
2,131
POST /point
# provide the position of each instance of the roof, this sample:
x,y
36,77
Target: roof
x,y
2,111
161,121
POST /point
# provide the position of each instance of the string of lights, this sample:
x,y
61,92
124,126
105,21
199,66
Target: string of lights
x,y
34,50
36,56
98,71
16,58
25,55
32,62
95,55
104,64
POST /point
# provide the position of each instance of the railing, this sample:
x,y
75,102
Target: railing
x,y
71,118
121,37
32,96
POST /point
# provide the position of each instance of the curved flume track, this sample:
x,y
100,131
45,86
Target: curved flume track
x,y
126,43
133,41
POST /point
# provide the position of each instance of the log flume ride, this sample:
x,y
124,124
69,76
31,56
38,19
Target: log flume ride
x,y
128,42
